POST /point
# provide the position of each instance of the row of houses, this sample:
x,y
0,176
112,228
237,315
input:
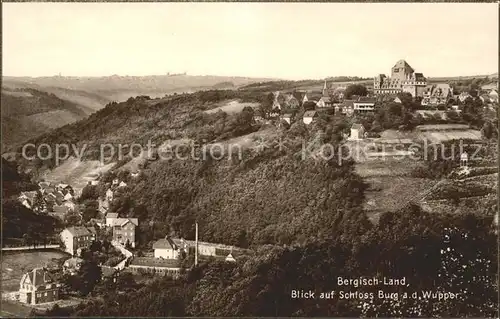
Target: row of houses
x,y
54,199
40,286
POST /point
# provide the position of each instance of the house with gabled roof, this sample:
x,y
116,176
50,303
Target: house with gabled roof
x,y
301,97
309,117
76,238
38,286
276,105
110,217
169,248
59,211
357,132
28,198
289,100
230,258
324,101
124,230
437,94
287,117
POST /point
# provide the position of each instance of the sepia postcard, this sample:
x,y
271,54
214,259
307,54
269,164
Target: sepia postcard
x,y
249,160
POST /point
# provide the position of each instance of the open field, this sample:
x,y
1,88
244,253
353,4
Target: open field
x,y
77,173
438,137
393,193
232,107
15,264
433,136
390,186
267,136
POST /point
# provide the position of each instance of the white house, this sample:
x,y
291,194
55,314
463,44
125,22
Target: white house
x,y
169,248
110,219
230,258
363,105
27,198
134,174
122,184
464,157
76,238
309,116
357,132
109,194
325,101
287,117
68,196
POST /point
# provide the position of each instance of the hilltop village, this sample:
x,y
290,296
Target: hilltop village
x,y
404,83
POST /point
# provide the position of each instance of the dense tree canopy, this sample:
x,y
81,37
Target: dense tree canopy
x,y
355,89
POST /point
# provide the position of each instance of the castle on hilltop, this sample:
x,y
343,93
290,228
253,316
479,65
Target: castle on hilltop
x,y
403,79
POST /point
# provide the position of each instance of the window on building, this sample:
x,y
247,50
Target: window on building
x,y
45,294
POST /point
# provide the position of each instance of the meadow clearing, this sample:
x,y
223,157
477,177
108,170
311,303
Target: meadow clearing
x,y
232,107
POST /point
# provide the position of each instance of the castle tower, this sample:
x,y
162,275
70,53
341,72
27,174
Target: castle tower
x,y
401,70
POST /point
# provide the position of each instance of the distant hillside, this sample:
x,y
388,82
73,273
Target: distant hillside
x,y
119,88
27,113
89,102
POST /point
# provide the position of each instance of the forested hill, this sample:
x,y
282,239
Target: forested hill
x,y
268,195
27,113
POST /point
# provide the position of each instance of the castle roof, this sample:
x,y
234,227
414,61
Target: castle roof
x,y
402,64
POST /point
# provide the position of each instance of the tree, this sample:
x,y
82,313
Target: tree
x,y
355,89
488,130
89,192
90,209
89,275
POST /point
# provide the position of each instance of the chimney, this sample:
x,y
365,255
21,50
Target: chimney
x,y
196,246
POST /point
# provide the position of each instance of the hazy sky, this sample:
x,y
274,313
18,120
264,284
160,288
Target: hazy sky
x,y
283,40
